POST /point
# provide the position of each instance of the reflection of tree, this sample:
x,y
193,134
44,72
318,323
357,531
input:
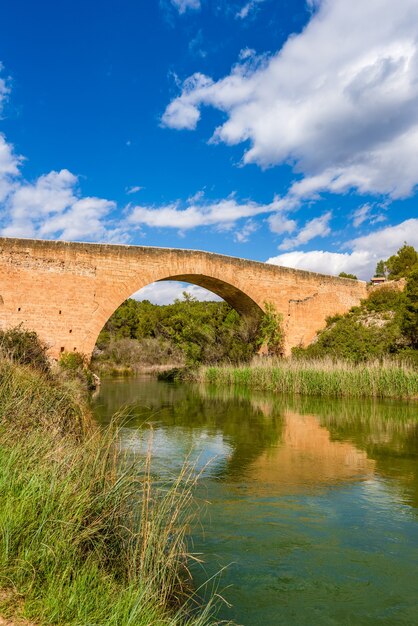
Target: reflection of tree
x,y
247,426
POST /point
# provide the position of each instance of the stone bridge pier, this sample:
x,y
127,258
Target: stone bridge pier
x,y
67,291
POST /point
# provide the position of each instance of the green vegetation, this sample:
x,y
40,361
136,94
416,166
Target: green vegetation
x,y
369,331
345,275
410,317
86,537
399,265
22,346
187,332
385,325
270,331
318,378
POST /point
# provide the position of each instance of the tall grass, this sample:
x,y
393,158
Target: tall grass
x,y
85,539
319,378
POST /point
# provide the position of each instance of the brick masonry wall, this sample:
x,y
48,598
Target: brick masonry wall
x,y
67,291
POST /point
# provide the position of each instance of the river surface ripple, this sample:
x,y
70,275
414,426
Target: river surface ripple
x,y
313,503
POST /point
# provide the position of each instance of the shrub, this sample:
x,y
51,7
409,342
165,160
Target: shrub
x,y
72,361
24,347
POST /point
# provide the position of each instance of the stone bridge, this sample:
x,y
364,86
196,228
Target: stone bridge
x,y
67,291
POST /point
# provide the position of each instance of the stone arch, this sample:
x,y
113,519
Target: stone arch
x,y
235,297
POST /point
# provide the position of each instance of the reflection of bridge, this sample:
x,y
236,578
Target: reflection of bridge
x,y
67,291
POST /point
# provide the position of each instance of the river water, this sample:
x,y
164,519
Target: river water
x,y
313,504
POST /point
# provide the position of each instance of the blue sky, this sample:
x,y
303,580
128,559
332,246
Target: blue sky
x,y
272,130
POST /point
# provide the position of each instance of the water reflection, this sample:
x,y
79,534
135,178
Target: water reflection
x,y
292,443
308,459
312,501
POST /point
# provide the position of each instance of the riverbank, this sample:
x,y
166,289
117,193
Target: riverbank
x,y
82,540
318,378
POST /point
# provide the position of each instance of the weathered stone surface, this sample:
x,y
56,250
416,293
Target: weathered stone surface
x,y
67,291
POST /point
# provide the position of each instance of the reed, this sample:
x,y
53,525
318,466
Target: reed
x,y
86,537
325,377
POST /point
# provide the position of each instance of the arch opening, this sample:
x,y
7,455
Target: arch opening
x,y
192,330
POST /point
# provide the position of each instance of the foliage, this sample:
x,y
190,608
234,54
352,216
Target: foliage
x,y
74,366
399,265
380,268
72,361
188,330
24,347
369,331
345,275
410,318
271,330
385,324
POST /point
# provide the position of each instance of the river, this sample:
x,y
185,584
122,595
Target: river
x,y
313,503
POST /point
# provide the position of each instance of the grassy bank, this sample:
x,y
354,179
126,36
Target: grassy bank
x,y
318,378
83,541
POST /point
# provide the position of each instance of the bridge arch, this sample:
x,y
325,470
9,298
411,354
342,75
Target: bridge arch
x,y
234,296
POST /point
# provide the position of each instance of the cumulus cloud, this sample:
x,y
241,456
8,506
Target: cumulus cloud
x,y
52,206
323,262
167,291
364,252
339,101
184,5
222,214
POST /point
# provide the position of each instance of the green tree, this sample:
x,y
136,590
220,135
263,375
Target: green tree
x,y
410,318
271,330
205,332
345,275
380,269
401,264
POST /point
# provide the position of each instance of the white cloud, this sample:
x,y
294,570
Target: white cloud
x,y
247,9
52,207
339,101
324,262
361,215
85,217
184,5
134,189
9,168
386,241
317,227
221,214
279,223
166,292
246,231
361,260
4,89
